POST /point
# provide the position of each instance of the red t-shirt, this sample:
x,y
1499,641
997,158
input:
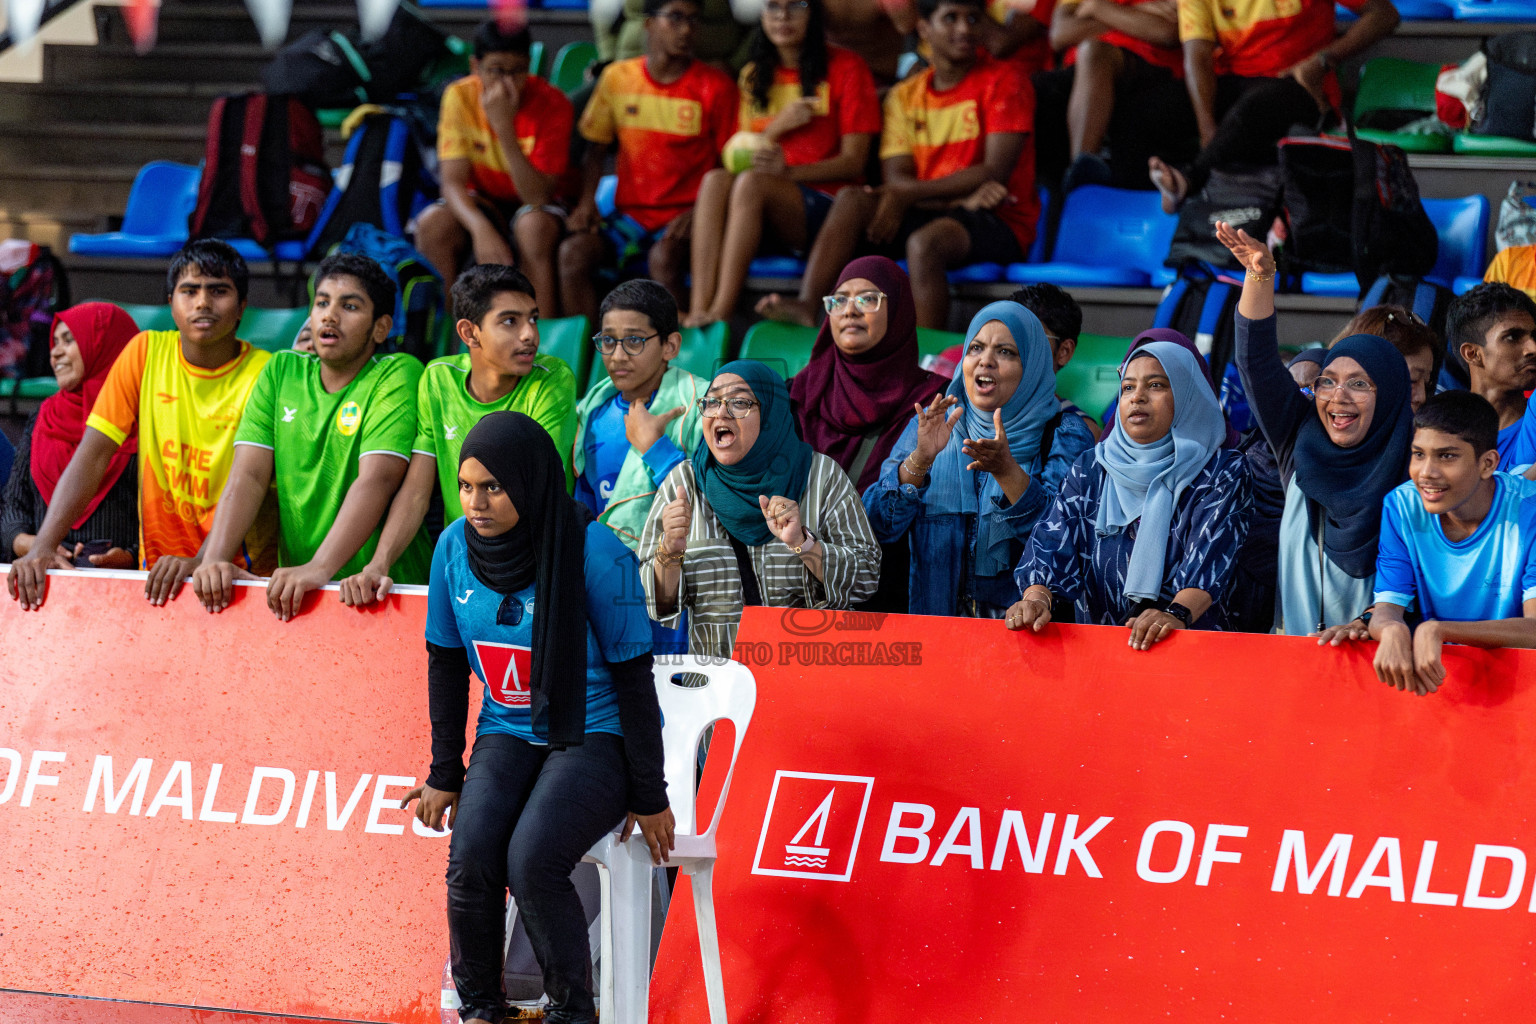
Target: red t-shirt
x,y
1170,57
945,132
542,123
1260,38
669,136
846,104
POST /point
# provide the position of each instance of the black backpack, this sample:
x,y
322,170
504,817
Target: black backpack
x,y
1248,198
382,182
264,172
336,69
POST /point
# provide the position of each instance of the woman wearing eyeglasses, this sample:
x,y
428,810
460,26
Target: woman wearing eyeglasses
x,y
858,392
976,467
756,517
815,108
1339,452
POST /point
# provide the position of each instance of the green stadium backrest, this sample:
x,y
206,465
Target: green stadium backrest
x,y
1392,93
35,388
785,347
272,329
931,342
150,318
569,338
569,70
332,117
535,58
1091,380
1494,145
702,350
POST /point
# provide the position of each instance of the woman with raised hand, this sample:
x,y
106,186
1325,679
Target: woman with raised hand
x,y
1147,527
756,517
858,392
86,341
976,467
1340,452
814,110
535,597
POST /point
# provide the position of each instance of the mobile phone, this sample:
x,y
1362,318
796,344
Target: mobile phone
x,y
91,547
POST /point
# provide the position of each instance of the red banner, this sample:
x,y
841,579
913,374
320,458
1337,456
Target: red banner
x,y
945,817
203,809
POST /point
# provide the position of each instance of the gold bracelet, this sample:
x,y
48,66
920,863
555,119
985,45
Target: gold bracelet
x,y
666,560
1261,279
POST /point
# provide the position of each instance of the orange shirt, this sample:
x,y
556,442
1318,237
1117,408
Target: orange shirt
x,y
185,418
542,123
1260,38
1169,57
845,105
1516,267
669,136
945,132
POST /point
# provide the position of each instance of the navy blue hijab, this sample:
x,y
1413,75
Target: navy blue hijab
x,y
1350,483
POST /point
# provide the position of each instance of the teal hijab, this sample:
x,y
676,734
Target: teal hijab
x,y
778,463
952,488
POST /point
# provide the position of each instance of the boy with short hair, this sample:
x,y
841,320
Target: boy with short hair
x,y
640,421
1458,540
181,393
1492,329
503,145
334,429
959,166
498,321
670,116
1062,319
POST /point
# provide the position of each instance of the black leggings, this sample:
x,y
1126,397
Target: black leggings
x,y
526,816
1254,114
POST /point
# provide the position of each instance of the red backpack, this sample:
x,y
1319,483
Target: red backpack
x,y
264,171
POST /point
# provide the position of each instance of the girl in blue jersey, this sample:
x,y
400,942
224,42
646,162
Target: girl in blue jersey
x,y
541,603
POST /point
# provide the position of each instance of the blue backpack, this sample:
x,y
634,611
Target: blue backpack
x,y
419,309
384,181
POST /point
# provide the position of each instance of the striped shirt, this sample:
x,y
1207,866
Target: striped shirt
x,y
710,588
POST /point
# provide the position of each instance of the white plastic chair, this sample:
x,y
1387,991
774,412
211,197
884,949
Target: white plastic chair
x,y
708,693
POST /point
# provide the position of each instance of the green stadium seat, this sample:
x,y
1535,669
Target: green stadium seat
x,y
932,342
569,338
569,70
785,347
1091,380
34,388
702,350
1493,145
1392,93
149,318
332,117
272,329
536,58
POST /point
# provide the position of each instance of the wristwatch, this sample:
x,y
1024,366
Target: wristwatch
x,y
1180,612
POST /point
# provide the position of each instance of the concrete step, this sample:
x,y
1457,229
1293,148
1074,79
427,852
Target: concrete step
x,y
119,280
168,62
83,141
156,103
96,190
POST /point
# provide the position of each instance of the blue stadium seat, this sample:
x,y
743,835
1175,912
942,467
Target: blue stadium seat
x,y
1462,285
776,266
607,194
1411,10
294,251
1495,10
1462,225
155,223
975,273
1108,238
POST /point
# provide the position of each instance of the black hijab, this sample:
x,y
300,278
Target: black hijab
x,y
546,548
1350,483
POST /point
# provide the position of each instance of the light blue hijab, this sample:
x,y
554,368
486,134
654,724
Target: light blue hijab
x,y
1145,481
952,488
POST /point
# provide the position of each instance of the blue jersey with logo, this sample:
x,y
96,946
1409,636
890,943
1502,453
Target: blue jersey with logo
x,y
461,612
606,448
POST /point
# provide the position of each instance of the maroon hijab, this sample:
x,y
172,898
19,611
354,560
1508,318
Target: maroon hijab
x,y
839,400
1177,338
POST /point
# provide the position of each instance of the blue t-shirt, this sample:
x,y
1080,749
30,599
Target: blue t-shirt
x,y
461,612
1485,576
607,446
1510,448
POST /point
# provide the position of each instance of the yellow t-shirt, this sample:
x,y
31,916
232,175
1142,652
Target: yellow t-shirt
x,y
186,419
1516,267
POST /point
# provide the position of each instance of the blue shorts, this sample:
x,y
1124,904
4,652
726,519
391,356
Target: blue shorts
x,y
817,205
629,241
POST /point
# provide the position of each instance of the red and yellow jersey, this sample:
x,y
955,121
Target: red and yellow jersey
x,y
669,136
1169,57
186,418
1260,38
543,125
945,132
1516,267
1035,55
846,104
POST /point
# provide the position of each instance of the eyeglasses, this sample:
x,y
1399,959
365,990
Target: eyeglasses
x,y
677,19
633,343
789,10
1355,386
735,408
864,302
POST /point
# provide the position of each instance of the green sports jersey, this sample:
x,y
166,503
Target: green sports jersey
x,y
318,440
445,412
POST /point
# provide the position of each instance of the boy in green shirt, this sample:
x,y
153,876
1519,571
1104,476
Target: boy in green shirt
x,y
498,321
335,430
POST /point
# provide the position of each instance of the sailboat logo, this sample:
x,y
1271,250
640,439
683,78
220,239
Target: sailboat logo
x,y
812,825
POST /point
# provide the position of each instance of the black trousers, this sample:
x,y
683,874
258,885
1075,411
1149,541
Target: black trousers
x,y
526,816
1253,114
